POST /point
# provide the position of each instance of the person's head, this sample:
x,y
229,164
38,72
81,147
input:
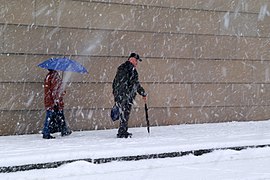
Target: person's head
x,y
134,58
52,71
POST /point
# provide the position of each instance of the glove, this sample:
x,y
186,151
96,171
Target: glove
x,y
144,94
56,106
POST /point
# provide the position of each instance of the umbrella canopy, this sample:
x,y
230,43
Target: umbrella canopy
x,y
63,64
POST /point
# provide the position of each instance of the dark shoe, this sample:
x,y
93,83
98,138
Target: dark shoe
x,y
48,137
66,133
124,135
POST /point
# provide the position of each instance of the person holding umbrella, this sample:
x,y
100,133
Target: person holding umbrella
x,y
54,93
54,105
125,87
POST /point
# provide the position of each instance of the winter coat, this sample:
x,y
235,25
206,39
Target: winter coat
x,y
53,93
126,83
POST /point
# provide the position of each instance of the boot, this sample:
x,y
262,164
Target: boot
x,y
48,137
122,133
66,133
65,130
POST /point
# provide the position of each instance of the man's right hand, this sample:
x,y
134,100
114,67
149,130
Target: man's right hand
x,y
144,99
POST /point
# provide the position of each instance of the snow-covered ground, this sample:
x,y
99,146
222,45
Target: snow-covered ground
x,y
221,164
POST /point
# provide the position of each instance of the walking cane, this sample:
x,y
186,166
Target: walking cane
x,y
146,117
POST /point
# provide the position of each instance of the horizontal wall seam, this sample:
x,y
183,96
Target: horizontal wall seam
x,y
134,31
150,107
148,57
166,7
147,82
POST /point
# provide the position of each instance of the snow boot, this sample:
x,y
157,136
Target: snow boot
x,y
48,137
124,135
66,133
123,130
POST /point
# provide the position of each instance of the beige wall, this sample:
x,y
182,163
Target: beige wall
x,y
203,60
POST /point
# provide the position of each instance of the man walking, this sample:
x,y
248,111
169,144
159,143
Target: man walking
x,y
54,104
125,86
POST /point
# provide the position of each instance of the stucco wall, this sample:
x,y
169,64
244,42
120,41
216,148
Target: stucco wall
x,y
203,60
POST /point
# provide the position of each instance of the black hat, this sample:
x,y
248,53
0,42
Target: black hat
x,y
135,56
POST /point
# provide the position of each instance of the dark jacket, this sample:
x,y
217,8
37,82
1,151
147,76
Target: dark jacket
x,y
53,94
126,83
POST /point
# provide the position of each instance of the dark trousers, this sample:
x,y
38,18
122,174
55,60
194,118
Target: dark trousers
x,y
125,109
54,122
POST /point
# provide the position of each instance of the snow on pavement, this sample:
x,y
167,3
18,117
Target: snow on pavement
x,y
250,164
28,149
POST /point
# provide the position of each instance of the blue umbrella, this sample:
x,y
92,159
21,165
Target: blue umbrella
x,y
63,64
